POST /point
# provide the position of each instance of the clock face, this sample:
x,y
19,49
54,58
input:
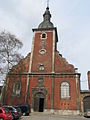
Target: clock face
x,y
42,51
42,43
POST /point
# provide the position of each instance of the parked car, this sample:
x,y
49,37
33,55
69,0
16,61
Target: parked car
x,y
25,109
87,113
13,111
18,110
5,114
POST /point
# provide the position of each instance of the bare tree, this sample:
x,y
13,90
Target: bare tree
x,y
9,54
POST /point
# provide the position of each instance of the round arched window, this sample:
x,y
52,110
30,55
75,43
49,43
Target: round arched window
x,y
65,90
43,35
42,51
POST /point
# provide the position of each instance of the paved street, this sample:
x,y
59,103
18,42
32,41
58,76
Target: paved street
x,y
41,116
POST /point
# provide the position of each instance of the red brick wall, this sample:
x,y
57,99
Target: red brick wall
x,y
12,100
62,104
14,76
65,103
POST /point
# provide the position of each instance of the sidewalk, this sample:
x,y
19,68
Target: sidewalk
x,y
43,116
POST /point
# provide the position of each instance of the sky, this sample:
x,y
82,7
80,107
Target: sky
x,y
71,17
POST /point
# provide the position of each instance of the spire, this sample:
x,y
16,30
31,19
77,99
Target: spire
x,y
46,19
47,3
47,15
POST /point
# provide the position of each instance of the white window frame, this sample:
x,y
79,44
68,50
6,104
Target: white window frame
x,y
41,67
41,36
65,90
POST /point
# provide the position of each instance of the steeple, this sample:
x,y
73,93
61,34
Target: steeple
x,y
46,20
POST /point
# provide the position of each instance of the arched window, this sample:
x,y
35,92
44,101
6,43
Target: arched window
x,y
41,67
16,88
43,35
65,90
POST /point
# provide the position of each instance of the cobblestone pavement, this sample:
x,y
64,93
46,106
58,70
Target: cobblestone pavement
x,y
40,116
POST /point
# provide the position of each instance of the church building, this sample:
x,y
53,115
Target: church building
x,y
44,79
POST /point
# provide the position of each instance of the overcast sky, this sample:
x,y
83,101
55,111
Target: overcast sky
x,y
71,17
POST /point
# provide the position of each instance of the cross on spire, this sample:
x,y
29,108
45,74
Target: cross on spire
x,y
48,3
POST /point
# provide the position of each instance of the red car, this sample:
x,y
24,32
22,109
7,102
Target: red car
x,y
5,114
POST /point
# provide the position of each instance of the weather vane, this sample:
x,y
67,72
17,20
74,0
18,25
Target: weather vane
x,y
47,3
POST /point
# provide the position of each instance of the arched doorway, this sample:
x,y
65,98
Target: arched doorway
x,y
39,101
86,103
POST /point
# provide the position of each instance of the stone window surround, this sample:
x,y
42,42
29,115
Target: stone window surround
x,y
43,35
65,90
16,90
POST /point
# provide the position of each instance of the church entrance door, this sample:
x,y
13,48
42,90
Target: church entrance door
x,y
39,100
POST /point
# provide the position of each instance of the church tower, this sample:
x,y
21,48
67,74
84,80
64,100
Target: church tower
x,y
44,46
42,62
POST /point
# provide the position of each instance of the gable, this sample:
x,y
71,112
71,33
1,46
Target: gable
x,y
22,66
61,64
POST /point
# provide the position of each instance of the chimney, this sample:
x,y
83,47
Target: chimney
x,y
88,79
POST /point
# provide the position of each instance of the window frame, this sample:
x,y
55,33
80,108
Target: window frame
x,y
42,37
62,88
15,90
42,51
41,67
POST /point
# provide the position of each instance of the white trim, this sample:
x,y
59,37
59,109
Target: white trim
x,y
77,91
30,65
53,52
42,53
42,34
44,31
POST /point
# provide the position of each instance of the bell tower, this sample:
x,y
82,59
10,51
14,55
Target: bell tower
x,y
44,46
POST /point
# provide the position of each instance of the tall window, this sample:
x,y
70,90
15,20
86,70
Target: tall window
x,y
65,90
16,88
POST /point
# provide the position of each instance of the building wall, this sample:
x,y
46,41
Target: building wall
x,y
59,104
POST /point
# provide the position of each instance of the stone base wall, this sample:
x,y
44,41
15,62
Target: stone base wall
x,y
61,112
